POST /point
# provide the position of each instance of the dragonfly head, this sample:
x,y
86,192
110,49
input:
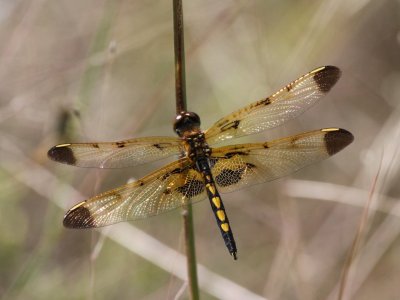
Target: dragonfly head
x,y
187,123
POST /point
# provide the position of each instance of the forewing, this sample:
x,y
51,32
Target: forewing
x,y
116,154
159,192
234,167
287,103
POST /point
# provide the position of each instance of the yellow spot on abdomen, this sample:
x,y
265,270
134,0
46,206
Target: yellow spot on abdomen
x,y
221,215
217,202
225,227
210,188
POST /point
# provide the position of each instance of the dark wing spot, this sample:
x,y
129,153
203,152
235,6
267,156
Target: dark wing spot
x,y
293,140
161,146
337,140
223,123
289,87
120,144
266,146
265,101
95,145
167,191
326,78
174,171
236,124
79,217
233,124
191,188
233,153
62,154
250,166
229,177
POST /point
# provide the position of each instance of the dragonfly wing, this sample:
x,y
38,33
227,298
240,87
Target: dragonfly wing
x,y
287,103
161,191
238,166
116,154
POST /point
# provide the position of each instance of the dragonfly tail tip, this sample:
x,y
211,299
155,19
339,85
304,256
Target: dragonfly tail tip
x,y
234,255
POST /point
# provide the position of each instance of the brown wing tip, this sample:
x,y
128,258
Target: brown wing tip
x,y
326,77
337,139
78,217
62,154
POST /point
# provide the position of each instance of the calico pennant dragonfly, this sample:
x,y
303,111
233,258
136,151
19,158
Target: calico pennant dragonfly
x,y
203,171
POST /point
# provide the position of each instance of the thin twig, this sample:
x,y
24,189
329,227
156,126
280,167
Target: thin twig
x,y
358,238
180,90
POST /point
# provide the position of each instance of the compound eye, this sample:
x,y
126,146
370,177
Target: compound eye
x,y
186,121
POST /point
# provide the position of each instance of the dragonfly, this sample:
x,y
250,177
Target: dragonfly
x,y
201,170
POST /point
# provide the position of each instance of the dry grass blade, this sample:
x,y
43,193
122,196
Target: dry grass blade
x,y
360,234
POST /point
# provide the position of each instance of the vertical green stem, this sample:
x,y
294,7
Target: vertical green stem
x,y
180,91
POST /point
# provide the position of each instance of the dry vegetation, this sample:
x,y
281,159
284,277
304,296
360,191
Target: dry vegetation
x,y
103,70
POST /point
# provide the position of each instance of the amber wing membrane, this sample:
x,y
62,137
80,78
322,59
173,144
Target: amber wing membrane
x,y
116,154
286,104
159,192
238,166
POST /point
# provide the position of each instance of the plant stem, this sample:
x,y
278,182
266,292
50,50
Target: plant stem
x,y
190,251
180,91
180,82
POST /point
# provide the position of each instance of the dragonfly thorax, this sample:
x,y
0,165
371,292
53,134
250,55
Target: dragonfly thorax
x,y
196,146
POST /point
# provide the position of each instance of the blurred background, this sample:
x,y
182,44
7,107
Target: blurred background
x,y
103,70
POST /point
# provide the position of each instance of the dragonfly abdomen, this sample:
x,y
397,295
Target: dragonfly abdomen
x,y
218,207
